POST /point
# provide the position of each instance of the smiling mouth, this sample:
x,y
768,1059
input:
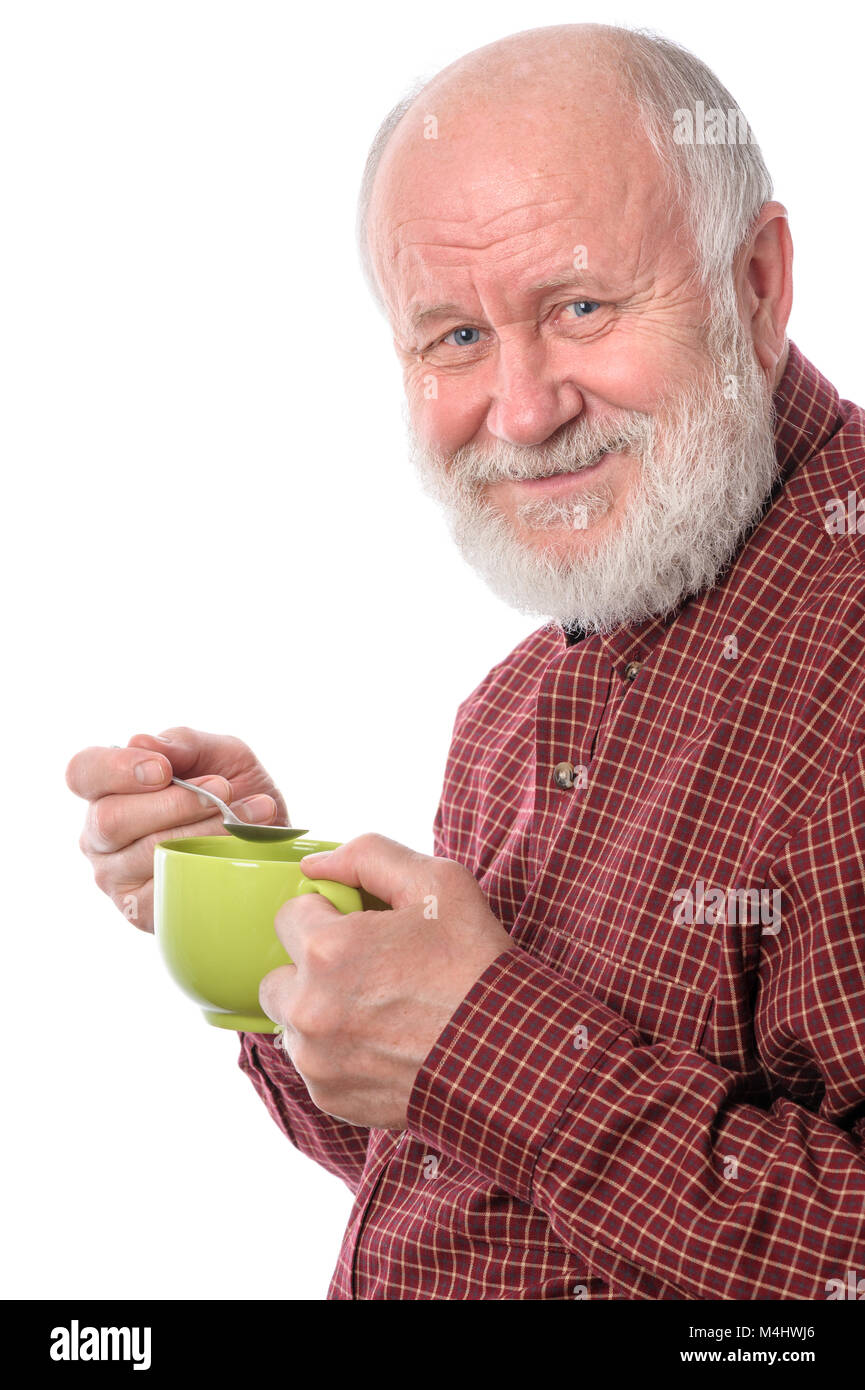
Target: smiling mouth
x,y
563,477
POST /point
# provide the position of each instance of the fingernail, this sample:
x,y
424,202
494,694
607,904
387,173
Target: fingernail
x,y
151,773
163,738
316,855
257,807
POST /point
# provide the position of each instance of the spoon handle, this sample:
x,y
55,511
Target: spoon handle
x,y
210,796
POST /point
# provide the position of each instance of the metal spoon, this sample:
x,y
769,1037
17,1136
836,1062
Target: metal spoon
x,y
241,828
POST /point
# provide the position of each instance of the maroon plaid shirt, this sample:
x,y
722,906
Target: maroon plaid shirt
x,y
661,1095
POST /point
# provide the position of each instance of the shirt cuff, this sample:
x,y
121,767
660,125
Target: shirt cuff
x,y
507,1066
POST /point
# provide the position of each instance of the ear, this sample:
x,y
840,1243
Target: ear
x,y
764,281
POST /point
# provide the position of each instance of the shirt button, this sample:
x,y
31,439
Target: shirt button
x,y
631,670
563,775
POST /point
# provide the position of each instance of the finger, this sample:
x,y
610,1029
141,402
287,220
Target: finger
x,y
376,864
135,901
116,821
193,752
276,991
97,772
123,869
137,907
257,810
299,917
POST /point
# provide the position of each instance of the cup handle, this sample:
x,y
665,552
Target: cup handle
x,y
340,894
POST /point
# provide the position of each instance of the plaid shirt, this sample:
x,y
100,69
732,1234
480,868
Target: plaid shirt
x,y
661,1095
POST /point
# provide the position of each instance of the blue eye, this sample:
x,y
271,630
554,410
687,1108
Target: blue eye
x,y
461,341
586,307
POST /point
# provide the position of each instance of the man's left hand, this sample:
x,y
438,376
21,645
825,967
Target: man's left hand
x,y
368,993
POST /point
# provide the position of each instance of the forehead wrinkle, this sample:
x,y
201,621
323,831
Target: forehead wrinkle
x,y
407,245
561,268
473,233
483,222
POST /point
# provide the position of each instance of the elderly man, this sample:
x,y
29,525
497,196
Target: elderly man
x,y
610,1041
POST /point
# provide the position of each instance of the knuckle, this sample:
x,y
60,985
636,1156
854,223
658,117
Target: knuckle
x,y
305,908
320,1093
315,1070
288,915
266,996
317,954
311,1017
211,825
322,952
369,840
103,823
274,982
136,904
449,874
303,1058
103,876
238,755
182,733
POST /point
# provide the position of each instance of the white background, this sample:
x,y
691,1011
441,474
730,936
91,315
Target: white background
x,y
209,519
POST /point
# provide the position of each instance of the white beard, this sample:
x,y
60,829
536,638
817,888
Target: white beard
x,y
706,468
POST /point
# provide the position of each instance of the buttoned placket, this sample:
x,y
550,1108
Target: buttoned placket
x,y
579,681
579,695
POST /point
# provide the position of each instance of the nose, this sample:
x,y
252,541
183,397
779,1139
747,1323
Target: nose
x,y
531,398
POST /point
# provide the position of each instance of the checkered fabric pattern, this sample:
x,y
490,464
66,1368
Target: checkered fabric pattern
x,y
661,1094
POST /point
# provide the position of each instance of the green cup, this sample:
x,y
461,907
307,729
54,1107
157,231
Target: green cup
x,y
215,898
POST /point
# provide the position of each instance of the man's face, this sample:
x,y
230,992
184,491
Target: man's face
x,y
560,388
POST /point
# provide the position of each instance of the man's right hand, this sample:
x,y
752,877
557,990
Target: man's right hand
x,y
133,804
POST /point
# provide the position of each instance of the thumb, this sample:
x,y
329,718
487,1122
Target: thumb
x,y
383,869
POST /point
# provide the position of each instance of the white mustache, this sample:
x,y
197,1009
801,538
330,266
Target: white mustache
x,y
508,463
575,465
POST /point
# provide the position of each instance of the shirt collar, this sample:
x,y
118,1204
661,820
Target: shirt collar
x,y
806,412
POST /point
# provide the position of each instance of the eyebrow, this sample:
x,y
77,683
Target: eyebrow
x,y
434,311
579,279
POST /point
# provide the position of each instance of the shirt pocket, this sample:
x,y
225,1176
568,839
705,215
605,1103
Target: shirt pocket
x,y
660,1008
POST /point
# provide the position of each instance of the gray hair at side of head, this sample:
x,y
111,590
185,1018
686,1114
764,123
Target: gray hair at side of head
x,y
373,159
721,187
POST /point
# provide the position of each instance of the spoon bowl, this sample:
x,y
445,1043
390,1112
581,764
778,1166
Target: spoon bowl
x,y
241,828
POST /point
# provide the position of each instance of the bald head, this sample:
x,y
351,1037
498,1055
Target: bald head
x,y
490,138
534,75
